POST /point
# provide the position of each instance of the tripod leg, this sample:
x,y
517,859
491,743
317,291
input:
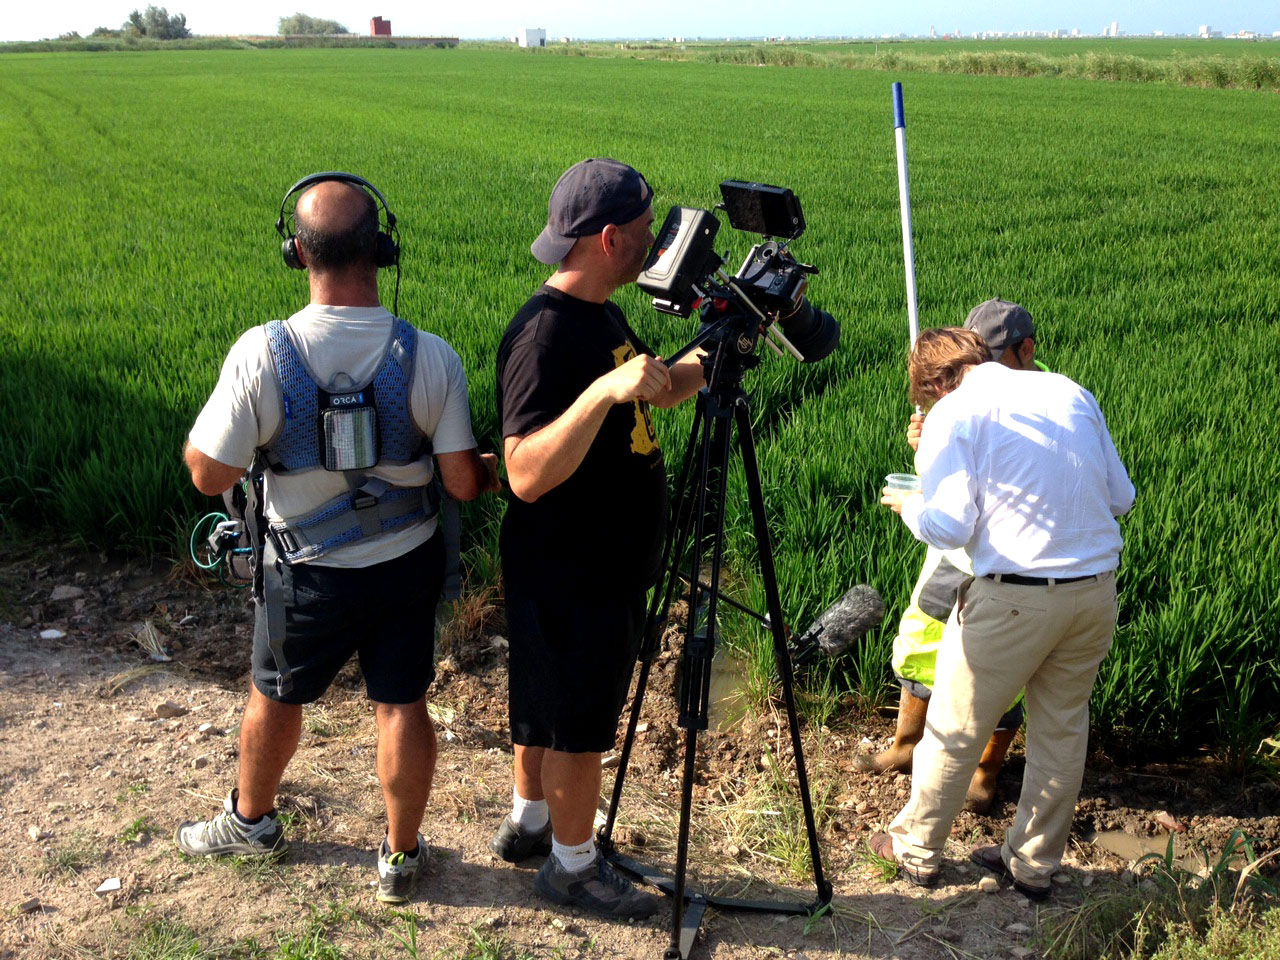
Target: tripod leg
x,y
700,642
782,654
677,534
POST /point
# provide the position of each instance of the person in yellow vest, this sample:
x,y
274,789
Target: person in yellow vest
x,y
1009,333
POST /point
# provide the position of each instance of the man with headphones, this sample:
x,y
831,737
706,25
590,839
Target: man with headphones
x,y
340,410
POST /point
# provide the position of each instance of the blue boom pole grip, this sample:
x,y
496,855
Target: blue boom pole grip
x,y
899,120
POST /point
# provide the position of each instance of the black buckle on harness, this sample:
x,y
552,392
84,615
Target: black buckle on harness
x,y
285,542
363,501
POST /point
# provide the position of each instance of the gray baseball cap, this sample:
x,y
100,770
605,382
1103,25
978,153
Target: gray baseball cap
x,y
588,197
1001,323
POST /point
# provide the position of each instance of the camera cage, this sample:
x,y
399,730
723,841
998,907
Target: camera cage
x,y
683,273
680,270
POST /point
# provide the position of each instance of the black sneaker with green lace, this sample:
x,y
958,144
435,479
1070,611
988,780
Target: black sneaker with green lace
x,y
398,872
598,887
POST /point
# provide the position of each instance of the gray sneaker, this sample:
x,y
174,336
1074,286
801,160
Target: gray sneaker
x,y
598,887
513,844
225,835
398,872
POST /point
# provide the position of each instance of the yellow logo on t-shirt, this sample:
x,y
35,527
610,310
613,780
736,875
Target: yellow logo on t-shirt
x,y
643,440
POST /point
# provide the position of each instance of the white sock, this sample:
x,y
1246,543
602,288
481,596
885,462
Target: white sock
x,y
528,815
575,858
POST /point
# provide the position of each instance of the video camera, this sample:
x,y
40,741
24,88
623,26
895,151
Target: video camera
x,y
684,273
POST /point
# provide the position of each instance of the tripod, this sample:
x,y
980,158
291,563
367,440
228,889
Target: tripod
x,y
698,524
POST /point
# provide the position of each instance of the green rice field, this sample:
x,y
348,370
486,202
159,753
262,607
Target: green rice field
x,y
1139,223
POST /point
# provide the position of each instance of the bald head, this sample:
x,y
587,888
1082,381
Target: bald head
x,y
337,227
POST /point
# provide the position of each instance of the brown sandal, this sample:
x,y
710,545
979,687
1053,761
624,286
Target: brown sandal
x,y
881,845
990,858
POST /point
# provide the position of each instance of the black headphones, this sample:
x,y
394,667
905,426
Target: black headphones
x,y
387,251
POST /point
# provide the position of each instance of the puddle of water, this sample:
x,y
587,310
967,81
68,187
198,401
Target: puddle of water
x,y
728,695
1129,847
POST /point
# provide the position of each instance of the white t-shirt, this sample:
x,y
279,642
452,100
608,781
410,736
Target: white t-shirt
x,y
1019,469
244,412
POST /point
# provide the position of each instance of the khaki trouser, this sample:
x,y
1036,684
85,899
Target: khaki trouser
x,y
999,638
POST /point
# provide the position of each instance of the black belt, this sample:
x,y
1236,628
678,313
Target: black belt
x,y
1018,580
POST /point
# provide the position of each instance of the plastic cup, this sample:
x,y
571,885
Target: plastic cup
x,y
902,483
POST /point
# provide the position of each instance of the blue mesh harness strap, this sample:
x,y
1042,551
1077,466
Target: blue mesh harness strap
x,y
375,508
372,506
296,444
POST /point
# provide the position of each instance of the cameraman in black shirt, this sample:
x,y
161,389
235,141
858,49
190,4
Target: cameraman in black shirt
x,y
582,538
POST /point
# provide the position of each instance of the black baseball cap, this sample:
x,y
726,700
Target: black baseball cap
x,y
589,196
1001,323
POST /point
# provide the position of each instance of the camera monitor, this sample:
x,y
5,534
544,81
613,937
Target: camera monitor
x,y
763,209
681,257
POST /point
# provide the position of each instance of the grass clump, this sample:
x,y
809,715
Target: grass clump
x,y
1212,910
311,944
167,940
884,869
476,944
137,831
1255,936
70,857
766,820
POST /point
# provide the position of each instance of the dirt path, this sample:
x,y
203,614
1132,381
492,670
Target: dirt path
x,y
94,782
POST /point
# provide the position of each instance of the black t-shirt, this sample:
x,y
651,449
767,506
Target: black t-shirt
x,y
605,524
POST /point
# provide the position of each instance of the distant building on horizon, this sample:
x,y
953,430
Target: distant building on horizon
x,y
532,37
379,27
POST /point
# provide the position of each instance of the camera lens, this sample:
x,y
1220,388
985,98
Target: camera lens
x,y
814,332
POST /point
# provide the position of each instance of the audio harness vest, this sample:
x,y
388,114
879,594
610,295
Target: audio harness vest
x,y
348,430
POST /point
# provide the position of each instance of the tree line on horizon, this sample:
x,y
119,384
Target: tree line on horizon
x,y
156,23
300,23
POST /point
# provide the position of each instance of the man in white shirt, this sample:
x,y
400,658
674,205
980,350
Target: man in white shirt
x,y
346,405
1024,476
1010,335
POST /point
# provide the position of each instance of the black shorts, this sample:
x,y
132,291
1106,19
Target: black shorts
x,y
386,614
572,655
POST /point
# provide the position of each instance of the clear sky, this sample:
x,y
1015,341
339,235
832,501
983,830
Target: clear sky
x,y
665,18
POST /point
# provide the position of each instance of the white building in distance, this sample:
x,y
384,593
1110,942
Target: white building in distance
x,y
532,37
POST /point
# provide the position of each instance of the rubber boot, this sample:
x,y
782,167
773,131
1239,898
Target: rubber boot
x,y
911,714
982,788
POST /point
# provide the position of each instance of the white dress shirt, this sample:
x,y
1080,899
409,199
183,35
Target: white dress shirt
x,y
1018,468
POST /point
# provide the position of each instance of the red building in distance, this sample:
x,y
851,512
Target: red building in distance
x,y
379,27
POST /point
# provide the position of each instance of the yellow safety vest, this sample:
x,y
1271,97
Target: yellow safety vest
x,y
915,648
